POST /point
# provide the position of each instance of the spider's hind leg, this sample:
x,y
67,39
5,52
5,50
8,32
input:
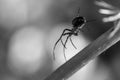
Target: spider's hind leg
x,y
63,44
72,43
69,34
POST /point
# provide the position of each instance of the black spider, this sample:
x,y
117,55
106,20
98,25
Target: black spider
x,y
78,23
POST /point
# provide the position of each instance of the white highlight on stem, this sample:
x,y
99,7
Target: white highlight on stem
x,y
114,12
115,30
106,11
104,4
112,18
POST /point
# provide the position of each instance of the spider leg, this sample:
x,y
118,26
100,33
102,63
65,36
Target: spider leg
x,y
63,43
72,43
69,34
56,45
64,54
63,34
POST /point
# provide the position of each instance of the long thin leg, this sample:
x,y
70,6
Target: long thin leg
x,y
56,45
59,40
64,54
72,43
69,35
64,35
65,44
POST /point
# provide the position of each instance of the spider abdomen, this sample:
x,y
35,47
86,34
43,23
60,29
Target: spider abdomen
x,y
78,21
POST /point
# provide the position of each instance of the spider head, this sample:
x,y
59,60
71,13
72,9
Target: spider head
x,y
78,21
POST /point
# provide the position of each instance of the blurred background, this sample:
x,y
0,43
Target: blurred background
x,y
30,28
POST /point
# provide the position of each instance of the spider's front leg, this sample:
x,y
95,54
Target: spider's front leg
x,y
63,34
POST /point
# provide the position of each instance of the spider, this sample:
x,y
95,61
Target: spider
x,y
78,23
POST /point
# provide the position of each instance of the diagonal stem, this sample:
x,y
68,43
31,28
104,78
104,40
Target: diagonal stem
x,y
87,54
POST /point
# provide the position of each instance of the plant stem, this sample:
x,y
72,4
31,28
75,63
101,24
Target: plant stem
x,y
94,49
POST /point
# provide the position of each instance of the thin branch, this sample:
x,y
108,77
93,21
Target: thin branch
x,y
87,54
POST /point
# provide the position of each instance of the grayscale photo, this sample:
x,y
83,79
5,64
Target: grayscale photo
x,y
59,40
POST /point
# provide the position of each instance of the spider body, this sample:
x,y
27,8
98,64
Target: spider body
x,y
78,23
